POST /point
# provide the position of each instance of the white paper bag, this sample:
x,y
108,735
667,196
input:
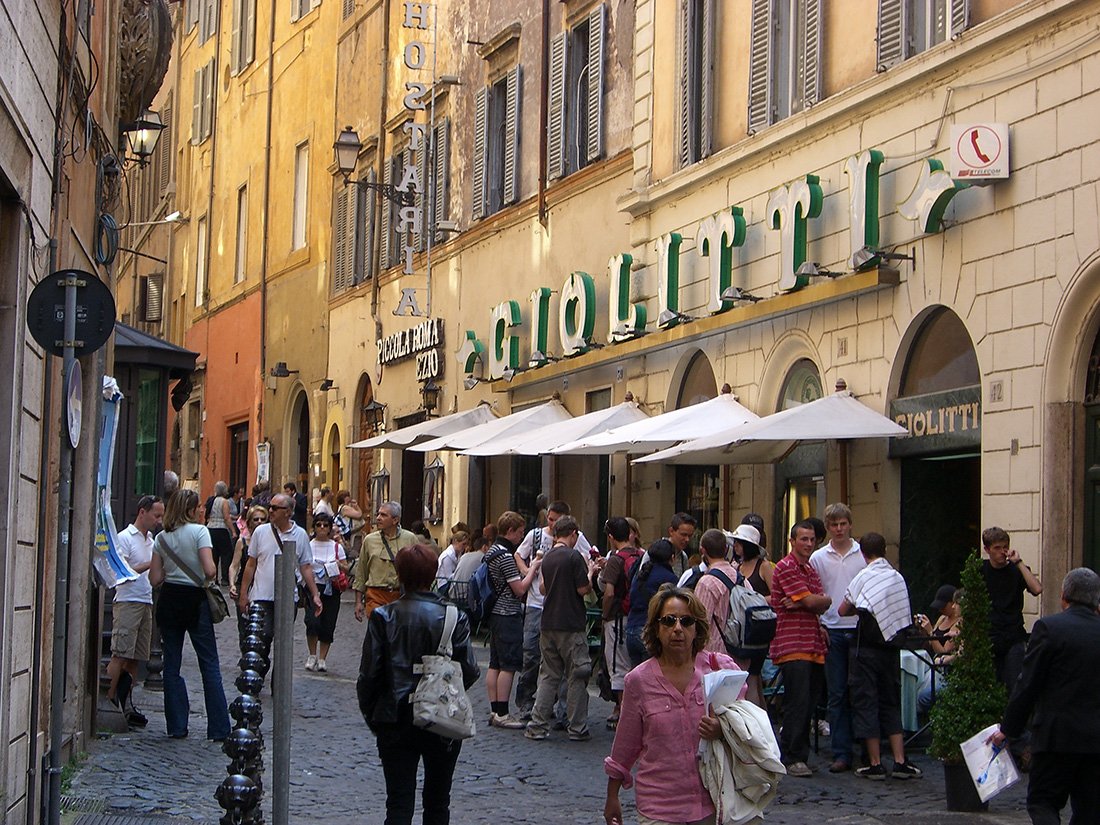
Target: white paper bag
x,y
723,687
992,771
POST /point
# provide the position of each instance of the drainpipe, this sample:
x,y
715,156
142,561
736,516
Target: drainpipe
x,y
544,104
267,215
381,202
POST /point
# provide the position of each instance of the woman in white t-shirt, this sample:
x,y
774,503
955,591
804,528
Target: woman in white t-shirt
x,y
328,558
448,561
183,559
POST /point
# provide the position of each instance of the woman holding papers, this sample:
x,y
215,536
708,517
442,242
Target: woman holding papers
x,y
664,715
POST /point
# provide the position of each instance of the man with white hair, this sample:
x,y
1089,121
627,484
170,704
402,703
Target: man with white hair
x,y
1057,691
375,577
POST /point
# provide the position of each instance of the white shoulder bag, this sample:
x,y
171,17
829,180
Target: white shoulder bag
x,y
439,703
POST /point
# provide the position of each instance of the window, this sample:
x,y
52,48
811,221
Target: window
x,y
300,8
192,11
784,59
240,265
909,27
202,106
301,194
162,154
344,247
149,395
575,116
200,262
496,144
433,492
152,297
243,48
696,28
347,9
208,19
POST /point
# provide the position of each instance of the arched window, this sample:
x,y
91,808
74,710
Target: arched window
x,y
800,477
698,383
941,358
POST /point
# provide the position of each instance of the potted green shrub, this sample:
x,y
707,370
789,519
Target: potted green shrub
x,y
973,698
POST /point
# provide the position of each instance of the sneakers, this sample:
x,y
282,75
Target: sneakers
x,y
311,663
583,736
506,721
534,735
875,772
322,667
799,769
906,770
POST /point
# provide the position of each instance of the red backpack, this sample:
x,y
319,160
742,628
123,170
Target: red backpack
x,y
622,586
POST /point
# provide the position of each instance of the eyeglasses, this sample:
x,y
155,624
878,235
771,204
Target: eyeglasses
x,y
671,621
258,520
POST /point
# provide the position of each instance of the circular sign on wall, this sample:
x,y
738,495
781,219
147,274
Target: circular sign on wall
x,y
95,312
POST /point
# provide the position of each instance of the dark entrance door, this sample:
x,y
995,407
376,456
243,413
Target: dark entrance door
x,y
412,477
301,472
238,457
1092,486
940,521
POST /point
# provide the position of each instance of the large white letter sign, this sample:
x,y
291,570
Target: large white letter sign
x,y
715,240
627,320
504,350
789,207
668,279
577,313
540,321
862,171
470,352
934,190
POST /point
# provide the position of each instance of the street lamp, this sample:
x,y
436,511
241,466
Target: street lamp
x,y
430,393
347,148
142,135
376,414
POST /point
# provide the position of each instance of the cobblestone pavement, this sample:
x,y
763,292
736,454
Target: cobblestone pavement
x,y
336,775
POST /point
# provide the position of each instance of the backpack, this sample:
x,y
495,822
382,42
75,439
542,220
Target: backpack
x,y
622,586
480,596
750,627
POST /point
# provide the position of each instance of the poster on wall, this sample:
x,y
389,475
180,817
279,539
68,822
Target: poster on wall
x,y
263,462
109,565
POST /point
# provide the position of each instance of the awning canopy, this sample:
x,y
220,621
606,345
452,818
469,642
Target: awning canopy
x,y
547,439
517,423
427,430
768,439
665,430
132,346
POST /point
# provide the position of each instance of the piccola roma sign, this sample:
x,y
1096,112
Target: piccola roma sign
x,y
790,210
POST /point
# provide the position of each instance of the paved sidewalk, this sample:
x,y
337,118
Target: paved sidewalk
x,y
336,775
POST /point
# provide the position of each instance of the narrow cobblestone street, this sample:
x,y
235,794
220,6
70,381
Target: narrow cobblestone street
x,y
336,776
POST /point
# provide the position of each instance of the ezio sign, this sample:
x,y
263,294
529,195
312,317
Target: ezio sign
x,y
790,208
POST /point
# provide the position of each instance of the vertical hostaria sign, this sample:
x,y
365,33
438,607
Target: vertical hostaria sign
x,y
417,20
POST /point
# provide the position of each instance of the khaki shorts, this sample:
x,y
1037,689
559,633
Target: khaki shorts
x,y
133,630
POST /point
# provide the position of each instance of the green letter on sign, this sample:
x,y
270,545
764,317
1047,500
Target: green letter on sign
x,y
577,313
504,352
627,319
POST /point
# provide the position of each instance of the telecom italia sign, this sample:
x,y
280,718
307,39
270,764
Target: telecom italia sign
x,y
790,209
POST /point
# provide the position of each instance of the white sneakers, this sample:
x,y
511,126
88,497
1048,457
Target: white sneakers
x,y
311,663
321,666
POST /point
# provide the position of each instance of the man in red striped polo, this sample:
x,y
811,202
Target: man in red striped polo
x,y
799,645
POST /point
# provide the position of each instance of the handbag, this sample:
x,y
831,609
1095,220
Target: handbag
x,y
339,580
439,703
219,609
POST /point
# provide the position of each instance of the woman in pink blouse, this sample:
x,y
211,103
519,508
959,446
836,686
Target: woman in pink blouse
x,y
664,716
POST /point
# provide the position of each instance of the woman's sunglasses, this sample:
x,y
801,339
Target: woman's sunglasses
x,y
671,621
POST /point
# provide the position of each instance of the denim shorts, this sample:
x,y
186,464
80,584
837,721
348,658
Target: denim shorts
x,y
506,643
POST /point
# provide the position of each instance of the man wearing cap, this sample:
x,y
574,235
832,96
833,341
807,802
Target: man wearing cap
x,y
837,563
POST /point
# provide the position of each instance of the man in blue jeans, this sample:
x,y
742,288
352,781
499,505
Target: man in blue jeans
x,y
837,563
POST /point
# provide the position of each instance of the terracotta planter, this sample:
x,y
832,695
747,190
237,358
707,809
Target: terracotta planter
x,y
959,789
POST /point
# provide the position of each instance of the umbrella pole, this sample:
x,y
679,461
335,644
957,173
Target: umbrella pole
x,y
843,445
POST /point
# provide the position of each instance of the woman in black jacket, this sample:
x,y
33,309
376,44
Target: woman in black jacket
x,y
398,635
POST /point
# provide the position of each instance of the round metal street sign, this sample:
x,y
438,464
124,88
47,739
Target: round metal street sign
x,y
95,312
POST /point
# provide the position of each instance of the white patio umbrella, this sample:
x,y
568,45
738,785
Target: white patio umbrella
x,y
837,416
547,439
425,430
661,431
524,421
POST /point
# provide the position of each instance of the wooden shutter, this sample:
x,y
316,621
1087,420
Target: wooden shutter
x,y
165,149
597,25
152,297
685,151
387,215
960,17
441,148
368,210
420,200
237,24
340,240
481,128
348,9
209,78
760,49
248,40
890,49
512,100
811,55
196,105
555,125
192,10
707,112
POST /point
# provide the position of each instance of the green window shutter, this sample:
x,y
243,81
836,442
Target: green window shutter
x,y
512,98
555,126
481,128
